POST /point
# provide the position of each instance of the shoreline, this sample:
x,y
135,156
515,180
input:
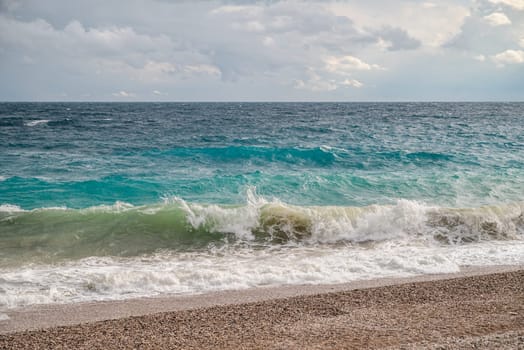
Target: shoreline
x,y
41,316
496,293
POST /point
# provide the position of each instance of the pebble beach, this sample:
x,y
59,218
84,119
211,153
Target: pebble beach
x,y
475,311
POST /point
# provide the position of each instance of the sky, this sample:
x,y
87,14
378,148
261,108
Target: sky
x,y
226,50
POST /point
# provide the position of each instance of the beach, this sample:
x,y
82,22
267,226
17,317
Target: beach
x,y
477,308
282,174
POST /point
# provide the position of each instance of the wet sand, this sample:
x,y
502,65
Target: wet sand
x,y
478,308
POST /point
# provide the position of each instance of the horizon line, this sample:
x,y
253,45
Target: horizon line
x,y
263,101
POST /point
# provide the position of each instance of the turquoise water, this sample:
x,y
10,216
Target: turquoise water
x,y
85,154
97,198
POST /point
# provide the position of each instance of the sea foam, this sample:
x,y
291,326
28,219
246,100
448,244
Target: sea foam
x,y
110,278
37,122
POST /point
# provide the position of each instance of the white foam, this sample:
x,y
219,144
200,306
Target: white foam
x,y
400,242
118,206
238,268
374,223
4,317
405,218
240,220
10,208
37,122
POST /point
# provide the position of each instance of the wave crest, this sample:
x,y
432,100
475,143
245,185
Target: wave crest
x,y
126,230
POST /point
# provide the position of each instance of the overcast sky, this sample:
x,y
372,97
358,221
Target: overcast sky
x,y
146,50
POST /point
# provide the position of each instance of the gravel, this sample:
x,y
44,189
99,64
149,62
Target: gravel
x,y
475,312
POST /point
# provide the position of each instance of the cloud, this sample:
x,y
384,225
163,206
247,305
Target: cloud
x,y
429,5
397,39
431,23
509,57
255,50
497,19
284,40
123,93
74,40
153,70
345,65
488,29
316,84
480,58
244,9
516,4
202,69
110,50
352,82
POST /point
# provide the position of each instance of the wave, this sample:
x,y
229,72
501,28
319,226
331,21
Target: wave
x,y
48,234
37,122
22,122
320,156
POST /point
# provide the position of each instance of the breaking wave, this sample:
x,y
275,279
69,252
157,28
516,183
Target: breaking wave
x,y
122,229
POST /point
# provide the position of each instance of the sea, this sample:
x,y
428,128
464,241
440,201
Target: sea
x,y
109,201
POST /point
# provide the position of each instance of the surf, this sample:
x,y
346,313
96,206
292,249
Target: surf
x,y
122,229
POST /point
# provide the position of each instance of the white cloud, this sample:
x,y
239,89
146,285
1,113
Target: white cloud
x,y
509,57
159,93
153,70
497,19
276,49
17,33
319,82
394,39
352,82
317,85
111,50
112,39
250,10
480,58
431,23
202,69
429,5
478,33
76,40
516,4
123,93
345,65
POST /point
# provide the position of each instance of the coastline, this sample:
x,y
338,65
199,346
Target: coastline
x,y
475,303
